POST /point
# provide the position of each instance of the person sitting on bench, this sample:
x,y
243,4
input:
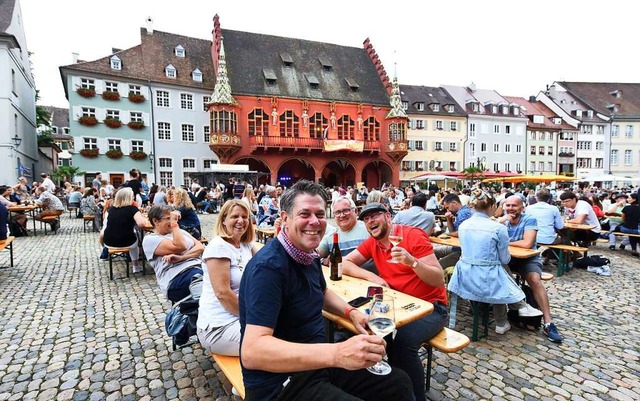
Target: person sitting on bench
x,y
582,213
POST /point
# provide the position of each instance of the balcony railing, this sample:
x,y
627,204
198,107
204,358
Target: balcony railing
x,y
285,142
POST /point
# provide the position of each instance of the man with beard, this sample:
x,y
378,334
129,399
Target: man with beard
x,y
523,230
282,293
416,272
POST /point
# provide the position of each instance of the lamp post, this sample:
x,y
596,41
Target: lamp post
x,y
16,140
151,160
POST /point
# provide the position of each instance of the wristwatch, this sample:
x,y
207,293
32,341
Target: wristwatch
x,y
415,263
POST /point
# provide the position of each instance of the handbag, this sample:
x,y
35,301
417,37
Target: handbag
x,y
604,224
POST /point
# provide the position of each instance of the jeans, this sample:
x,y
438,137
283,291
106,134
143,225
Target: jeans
x,y
632,240
407,342
612,228
179,286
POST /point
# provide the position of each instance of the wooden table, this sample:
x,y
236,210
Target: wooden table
x,y
575,226
516,252
266,233
408,308
30,209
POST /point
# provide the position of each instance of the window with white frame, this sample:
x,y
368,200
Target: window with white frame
x,y
454,125
187,133
186,101
439,125
507,167
505,110
600,130
518,148
419,165
494,109
541,150
162,98
472,148
87,83
599,162
628,131
451,108
179,51
496,129
207,134
66,130
507,129
110,86
437,146
419,145
518,167
599,145
54,129
472,130
137,146
116,63
205,102
550,150
436,107
60,161
532,166
549,166
135,89
90,143
419,124
165,162
583,162
540,136
207,163
186,179
170,71
507,148
135,116
483,147
113,114
614,157
166,178
196,75
420,106
627,157
615,131
532,150
496,147
114,144
88,112
189,164
586,129
453,147
14,87
567,136
164,131
541,166
496,166
405,105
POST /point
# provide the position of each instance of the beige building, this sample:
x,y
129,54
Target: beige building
x,y
437,131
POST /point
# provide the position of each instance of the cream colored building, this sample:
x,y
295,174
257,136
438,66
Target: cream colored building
x,y
437,131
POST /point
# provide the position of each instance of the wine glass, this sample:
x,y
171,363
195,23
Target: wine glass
x,y
381,322
395,237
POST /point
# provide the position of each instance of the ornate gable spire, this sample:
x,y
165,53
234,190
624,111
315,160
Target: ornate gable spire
x,y
222,90
395,100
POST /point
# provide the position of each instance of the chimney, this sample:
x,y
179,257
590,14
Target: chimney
x,y
115,50
149,22
472,87
552,92
74,57
532,99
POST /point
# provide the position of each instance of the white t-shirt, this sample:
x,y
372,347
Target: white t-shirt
x,y
211,312
583,207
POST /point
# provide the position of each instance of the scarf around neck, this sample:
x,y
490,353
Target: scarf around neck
x,y
302,257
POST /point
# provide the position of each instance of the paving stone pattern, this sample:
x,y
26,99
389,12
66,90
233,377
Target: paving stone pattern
x,y
69,333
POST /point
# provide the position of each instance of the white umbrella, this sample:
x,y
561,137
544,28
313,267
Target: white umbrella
x,y
435,177
604,178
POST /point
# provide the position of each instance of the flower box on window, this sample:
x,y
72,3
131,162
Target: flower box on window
x,y
136,98
565,154
136,124
86,92
112,122
110,95
114,154
90,153
136,155
89,121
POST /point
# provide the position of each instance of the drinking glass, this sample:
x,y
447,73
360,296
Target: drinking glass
x,y
395,237
382,321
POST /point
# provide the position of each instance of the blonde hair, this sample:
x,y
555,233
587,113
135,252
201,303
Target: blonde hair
x,y
249,194
181,199
124,197
221,229
481,201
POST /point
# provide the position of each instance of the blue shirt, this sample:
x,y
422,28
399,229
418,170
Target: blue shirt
x,y
416,216
516,232
279,293
549,220
463,213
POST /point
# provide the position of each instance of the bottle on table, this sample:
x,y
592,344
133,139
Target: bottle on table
x,y
335,257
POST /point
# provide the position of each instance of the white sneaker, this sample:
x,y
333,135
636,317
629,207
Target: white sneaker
x,y
604,271
593,269
529,311
503,329
137,269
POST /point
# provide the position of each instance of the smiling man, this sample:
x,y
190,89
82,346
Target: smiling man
x,y
417,273
283,351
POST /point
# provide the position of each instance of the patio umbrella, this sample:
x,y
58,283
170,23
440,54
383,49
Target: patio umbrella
x,y
604,178
531,178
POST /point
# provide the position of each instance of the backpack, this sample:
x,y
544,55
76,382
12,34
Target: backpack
x,y
530,323
18,226
593,260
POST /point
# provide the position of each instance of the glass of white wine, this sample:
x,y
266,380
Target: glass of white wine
x,y
382,321
395,237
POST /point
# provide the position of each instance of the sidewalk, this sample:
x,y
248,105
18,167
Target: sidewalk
x,y
67,332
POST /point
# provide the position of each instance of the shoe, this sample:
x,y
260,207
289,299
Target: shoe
x,y
552,333
205,213
137,269
612,247
529,311
103,259
622,246
593,269
604,271
503,329
634,253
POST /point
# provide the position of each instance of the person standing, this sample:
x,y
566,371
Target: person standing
x,y
47,183
97,181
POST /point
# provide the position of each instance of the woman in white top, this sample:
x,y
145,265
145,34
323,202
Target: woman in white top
x,y
226,257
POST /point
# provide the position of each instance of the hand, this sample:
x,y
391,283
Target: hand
x,y
401,255
359,320
359,352
172,258
175,216
448,215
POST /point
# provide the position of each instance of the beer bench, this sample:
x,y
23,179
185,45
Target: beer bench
x,y
7,243
447,341
563,253
230,366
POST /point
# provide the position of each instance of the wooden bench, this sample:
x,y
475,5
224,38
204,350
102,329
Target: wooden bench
x,y
230,366
121,253
447,341
86,219
563,253
7,243
71,209
50,219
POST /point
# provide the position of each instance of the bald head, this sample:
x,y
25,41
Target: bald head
x,y
514,207
514,199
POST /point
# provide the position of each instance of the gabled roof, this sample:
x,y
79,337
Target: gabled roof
x,y
540,109
59,116
251,57
465,97
599,95
429,95
6,14
148,60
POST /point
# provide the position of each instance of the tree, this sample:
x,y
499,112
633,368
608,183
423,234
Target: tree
x,y
64,173
43,117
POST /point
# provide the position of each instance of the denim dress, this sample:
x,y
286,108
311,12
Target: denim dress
x,y
479,274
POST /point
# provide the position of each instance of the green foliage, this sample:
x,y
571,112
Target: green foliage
x,y
65,173
45,138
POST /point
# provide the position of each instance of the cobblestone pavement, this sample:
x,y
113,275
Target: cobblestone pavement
x,y
67,332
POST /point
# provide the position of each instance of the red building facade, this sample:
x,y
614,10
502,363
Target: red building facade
x,y
300,109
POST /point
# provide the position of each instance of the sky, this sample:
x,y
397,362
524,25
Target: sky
x,y
514,47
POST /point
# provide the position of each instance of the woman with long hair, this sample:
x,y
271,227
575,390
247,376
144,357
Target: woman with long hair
x,y
225,257
189,220
250,199
89,207
631,221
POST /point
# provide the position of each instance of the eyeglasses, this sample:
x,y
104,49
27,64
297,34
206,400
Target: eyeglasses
x,y
375,215
342,212
165,218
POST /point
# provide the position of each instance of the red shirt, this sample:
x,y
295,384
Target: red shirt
x,y
400,276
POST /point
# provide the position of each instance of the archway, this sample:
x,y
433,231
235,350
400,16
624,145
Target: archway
x,y
264,172
376,173
294,170
339,172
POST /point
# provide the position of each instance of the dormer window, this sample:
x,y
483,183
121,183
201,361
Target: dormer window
x,y
505,110
179,51
616,93
494,109
286,59
475,107
326,65
405,105
590,113
538,119
116,63
269,76
196,75
578,113
451,108
353,85
170,71
516,110
313,81
435,107
419,106
557,120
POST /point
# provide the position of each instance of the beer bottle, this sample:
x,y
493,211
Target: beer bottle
x,y
335,257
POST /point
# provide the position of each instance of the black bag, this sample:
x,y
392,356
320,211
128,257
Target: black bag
x,y
180,322
593,260
18,226
604,224
531,323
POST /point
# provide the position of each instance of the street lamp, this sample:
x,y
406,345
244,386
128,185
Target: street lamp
x,y
151,160
16,140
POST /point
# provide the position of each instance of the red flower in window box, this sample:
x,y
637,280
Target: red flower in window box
x,y
136,98
86,92
90,153
89,121
136,155
112,122
110,95
114,154
136,124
